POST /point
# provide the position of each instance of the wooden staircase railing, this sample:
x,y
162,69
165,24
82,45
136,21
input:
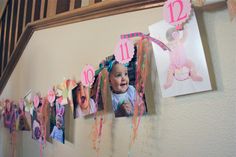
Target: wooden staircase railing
x,y
20,18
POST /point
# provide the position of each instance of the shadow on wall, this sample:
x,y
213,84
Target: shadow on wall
x,y
204,38
69,124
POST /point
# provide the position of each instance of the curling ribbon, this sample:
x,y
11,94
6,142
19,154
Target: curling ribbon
x,y
139,34
97,99
97,129
41,150
98,124
97,92
44,112
139,108
13,132
13,143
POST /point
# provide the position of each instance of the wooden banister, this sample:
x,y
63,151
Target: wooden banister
x,y
20,18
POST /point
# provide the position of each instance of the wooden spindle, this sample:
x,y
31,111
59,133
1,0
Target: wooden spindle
x,y
24,16
17,21
4,40
72,4
33,10
91,2
42,9
10,31
51,11
21,18
13,30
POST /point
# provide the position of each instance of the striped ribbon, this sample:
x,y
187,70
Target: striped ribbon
x,y
139,34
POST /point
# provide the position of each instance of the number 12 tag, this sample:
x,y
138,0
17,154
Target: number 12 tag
x,y
177,12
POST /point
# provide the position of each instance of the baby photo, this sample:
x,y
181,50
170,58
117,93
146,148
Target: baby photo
x,y
84,100
9,115
122,79
22,121
182,69
57,127
36,123
39,119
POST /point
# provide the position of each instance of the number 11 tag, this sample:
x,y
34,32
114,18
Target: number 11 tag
x,y
124,51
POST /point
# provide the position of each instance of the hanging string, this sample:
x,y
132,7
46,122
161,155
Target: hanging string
x,y
141,75
13,143
139,34
95,128
13,133
99,118
44,111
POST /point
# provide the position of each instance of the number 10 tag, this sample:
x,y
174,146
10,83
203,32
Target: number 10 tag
x,y
124,51
87,75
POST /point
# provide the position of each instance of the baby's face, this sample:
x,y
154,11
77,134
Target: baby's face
x,y
82,96
119,78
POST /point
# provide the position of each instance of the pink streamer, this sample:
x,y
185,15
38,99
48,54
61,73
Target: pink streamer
x,y
141,75
99,118
97,131
44,111
13,143
139,34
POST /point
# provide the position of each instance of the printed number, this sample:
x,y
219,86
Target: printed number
x,y
180,16
122,51
88,76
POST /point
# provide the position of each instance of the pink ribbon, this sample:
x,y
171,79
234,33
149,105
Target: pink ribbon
x,y
139,34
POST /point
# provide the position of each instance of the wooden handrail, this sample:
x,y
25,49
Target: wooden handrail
x,y
21,18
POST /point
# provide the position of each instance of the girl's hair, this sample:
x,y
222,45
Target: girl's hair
x,y
112,63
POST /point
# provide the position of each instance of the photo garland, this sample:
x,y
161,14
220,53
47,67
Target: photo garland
x,y
124,73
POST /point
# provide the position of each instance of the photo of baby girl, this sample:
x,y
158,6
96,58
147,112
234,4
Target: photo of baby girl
x,y
122,87
22,121
83,104
182,69
57,127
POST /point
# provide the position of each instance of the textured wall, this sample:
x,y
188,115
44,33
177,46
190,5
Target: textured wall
x,y
202,124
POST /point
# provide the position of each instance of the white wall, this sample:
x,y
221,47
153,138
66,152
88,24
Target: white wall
x,y
197,125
